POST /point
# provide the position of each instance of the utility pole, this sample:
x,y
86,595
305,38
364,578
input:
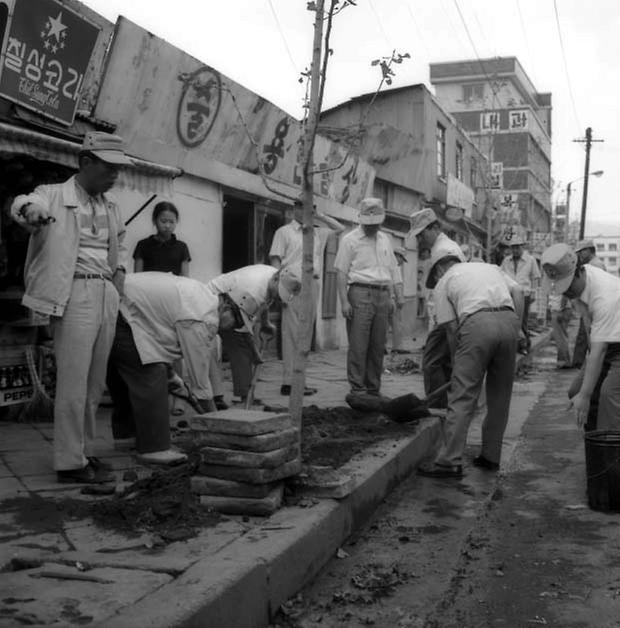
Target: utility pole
x,y
584,200
306,316
566,222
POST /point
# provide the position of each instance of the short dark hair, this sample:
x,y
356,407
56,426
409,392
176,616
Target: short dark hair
x,y
86,154
164,206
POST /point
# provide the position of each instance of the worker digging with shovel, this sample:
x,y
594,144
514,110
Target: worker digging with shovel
x,y
481,308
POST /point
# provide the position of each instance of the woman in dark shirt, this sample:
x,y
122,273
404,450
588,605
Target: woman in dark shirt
x,y
162,251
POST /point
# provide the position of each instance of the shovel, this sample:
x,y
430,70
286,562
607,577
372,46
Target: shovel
x,y
410,407
258,361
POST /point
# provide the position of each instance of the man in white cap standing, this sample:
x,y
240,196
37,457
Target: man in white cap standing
x,y
586,254
367,272
436,359
476,304
286,254
522,267
595,395
74,273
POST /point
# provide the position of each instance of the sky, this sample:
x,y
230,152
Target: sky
x,y
265,44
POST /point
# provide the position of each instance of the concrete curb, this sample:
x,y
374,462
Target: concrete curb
x,y
245,583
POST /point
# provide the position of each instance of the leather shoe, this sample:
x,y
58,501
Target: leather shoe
x,y
85,475
99,465
485,463
435,470
285,390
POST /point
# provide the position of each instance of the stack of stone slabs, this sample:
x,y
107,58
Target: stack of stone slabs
x,y
246,454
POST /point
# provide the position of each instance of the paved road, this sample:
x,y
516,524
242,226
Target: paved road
x,y
518,549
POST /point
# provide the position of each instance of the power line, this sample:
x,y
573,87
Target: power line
x,y
379,22
419,32
281,31
568,81
525,38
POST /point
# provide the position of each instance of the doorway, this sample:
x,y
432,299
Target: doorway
x,y
237,233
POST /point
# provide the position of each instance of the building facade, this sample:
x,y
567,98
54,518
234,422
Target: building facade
x,y
608,251
496,103
421,158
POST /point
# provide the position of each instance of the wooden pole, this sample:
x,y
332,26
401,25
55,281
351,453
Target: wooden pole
x,y
306,321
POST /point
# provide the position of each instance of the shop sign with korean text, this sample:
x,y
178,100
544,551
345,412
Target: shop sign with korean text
x,y
45,58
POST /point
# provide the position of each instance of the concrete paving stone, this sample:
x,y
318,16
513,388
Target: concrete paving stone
x,y
24,438
5,472
49,482
30,599
258,443
228,488
249,459
259,506
239,421
252,476
11,487
29,462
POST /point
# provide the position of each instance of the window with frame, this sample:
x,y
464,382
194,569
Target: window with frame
x,y
473,91
600,247
459,161
473,173
612,261
613,246
440,136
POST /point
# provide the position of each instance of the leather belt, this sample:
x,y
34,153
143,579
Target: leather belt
x,y
504,308
92,276
369,286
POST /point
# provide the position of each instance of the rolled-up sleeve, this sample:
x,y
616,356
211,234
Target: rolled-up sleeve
x,y
38,198
344,256
444,310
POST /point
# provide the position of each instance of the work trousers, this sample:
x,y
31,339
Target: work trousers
x,y
140,394
367,334
291,313
239,347
486,343
437,364
581,345
525,319
395,323
559,330
604,411
82,337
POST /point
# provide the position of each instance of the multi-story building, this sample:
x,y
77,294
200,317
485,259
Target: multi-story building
x,y
608,251
421,158
497,104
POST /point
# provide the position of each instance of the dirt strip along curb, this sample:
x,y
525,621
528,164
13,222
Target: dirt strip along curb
x,y
245,583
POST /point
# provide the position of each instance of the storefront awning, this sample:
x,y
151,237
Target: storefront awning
x,y
145,176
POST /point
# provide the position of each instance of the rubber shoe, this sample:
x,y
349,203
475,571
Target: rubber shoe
x,y
220,404
485,463
440,471
85,475
99,465
166,457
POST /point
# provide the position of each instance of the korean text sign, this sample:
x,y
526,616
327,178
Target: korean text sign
x,y
46,56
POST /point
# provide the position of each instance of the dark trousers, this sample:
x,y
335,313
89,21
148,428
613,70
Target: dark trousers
x,y
239,347
140,394
527,301
437,364
581,345
367,333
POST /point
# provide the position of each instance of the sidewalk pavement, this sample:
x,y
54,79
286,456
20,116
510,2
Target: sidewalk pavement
x,y
237,572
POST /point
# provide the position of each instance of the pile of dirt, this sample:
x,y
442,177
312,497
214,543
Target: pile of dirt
x,y
162,504
404,367
332,436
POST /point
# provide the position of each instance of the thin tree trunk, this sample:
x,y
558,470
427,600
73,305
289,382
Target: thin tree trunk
x,y
307,280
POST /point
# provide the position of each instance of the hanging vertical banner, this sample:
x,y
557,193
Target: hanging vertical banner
x,y
45,58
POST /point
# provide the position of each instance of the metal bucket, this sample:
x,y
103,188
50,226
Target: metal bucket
x,y
603,469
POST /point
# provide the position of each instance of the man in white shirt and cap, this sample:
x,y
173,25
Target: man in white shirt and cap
x,y
286,254
596,294
436,359
586,254
162,318
367,274
522,267
267,285
479,307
